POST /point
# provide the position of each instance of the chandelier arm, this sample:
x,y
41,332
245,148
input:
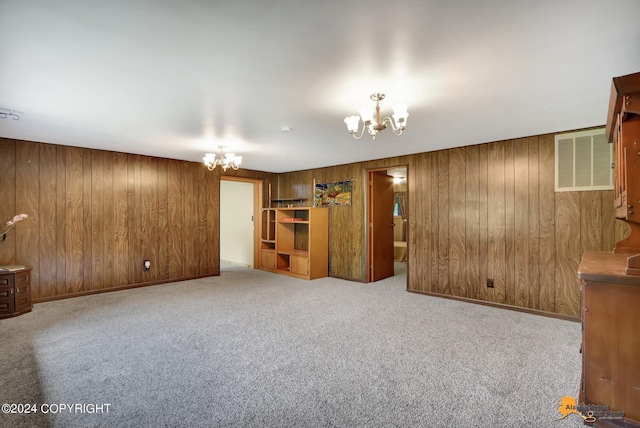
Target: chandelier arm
x,y
357,137
393,125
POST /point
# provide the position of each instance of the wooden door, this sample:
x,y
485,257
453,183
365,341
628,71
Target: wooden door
x,y
22,291
299,265
381,201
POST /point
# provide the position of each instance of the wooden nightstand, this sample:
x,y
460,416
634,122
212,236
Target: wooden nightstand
x,y
15,292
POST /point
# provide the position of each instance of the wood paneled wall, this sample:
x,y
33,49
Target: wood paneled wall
x,y
478,212
96,215
498,217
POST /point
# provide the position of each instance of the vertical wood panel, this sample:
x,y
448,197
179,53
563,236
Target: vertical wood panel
x,y
120,232
133,219
414,212
61,224
164,254
483,232
521,155
434,205
568,251
176,214
8,192
496,222
510,175
472,220
73,218
547,223
47,223
149,199
534,226
443,216
420,271
190,223
110,214
87,216
201,219
97,202
590,221
423,245
27,199
607,237
457,222
213,222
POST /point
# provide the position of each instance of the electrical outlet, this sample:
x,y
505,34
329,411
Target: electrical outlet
x,y
146,265
489,282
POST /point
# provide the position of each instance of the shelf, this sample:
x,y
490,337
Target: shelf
x,y
288,199
285,200
295,240
300,253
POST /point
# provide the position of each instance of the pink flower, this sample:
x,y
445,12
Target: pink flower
x,y
11,223
16,219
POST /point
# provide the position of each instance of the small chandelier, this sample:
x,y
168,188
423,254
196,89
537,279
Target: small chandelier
x,y
372,121
227,160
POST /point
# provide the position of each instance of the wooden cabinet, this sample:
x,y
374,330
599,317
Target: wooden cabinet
x,y
295,241
611,281
268,239
299,265
623,131
15,292
610,334
267,259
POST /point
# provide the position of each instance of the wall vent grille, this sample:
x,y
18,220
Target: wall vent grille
x,y
583,161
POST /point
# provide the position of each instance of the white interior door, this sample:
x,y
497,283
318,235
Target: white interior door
x,y
236,222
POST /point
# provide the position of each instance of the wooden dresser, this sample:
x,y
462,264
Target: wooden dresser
x,y
611,334
15,292
611,281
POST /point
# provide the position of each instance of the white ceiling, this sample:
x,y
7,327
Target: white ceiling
x,y
177,78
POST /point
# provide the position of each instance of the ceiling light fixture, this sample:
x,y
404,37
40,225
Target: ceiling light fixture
x,y
372,121
226,161
11,114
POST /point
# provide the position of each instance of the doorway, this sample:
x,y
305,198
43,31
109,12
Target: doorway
x,y
239,207
387,227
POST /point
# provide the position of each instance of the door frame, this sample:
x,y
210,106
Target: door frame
x,y
368,215
257,205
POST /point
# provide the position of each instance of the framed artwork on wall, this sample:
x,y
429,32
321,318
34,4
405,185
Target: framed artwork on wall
x,y
332,194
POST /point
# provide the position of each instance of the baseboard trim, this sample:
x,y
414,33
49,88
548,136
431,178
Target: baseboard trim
x,y
501,306
119,288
